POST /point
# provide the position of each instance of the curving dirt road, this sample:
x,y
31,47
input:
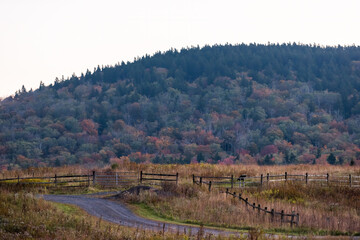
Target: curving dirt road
x,y
118,213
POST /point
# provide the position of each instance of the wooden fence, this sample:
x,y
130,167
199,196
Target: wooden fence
x,y
214,181
53,181
159,177
292,218
103,179
255,181
115,179
324,179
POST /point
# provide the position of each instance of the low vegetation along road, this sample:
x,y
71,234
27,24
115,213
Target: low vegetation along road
x,y
118,213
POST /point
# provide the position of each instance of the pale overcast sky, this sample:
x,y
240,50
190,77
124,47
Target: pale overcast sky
x,y
44,39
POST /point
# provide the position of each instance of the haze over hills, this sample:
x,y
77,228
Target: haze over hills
x,y
265,104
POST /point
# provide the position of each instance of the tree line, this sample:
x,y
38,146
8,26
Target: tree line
x,y
265,104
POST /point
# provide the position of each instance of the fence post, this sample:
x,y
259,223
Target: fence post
x,y
350,180
327,178
200,181
292,218
210,186
193,179
240,196
285,176
306,178
253,205
55,181
272,215
261,180
93,178
177,178
232,181
18,179
297,219
267,177
141,177
259,208
282,216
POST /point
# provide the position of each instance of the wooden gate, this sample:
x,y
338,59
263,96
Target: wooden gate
x,y
116,179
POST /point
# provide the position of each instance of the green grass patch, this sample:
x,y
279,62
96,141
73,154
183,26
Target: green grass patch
x,y
146,211
68,209
76,190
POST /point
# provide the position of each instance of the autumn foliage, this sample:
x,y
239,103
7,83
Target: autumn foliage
x,y
243,104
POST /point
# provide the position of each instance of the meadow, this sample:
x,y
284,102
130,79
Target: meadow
x,y
329,210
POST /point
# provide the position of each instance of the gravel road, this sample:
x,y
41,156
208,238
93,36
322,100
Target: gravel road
x,y
118,213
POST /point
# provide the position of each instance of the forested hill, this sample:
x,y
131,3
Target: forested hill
x,y
266,104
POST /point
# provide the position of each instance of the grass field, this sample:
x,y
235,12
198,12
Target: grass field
x,y
324,210
327,211
24,216
185,171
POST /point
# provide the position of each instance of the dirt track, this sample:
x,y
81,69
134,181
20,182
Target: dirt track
x,y
118,213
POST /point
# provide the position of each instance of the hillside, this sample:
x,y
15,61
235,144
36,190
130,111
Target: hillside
x,y
266,104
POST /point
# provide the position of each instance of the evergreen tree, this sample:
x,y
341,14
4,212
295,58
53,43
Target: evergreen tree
x,y
57,163
292,158
217,157
318,153
267,160
42,85
352,162
200,157
331,159
23,89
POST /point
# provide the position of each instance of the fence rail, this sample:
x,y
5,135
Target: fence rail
x,y
159,177
114,179
211,180
255,181
52,181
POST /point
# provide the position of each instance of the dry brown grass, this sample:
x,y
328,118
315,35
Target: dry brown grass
x,y
326,209
333,208
24,216
185,171
336,214
45,171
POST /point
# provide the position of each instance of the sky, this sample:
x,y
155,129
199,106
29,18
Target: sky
x,y
44,39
